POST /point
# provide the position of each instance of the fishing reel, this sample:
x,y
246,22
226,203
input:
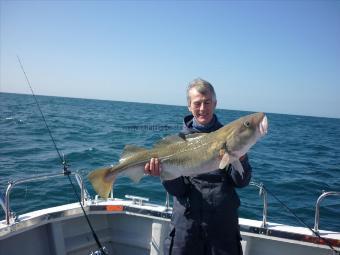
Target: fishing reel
x,y
65,166
101,251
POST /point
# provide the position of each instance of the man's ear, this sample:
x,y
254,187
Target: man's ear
x,y
189,108
215,103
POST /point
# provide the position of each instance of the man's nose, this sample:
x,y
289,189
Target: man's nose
x,y
202,106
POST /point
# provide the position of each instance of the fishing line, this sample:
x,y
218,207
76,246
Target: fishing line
x,y
41,113
63,162
302,222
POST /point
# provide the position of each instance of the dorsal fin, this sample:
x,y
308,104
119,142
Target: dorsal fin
x,y
181,135
169,140
129,150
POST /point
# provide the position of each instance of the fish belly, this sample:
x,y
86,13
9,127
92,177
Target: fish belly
x,y
171,171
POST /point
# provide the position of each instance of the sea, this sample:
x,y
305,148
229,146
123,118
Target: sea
x,y
296,161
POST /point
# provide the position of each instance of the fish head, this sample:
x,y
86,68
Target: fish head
x,y
243,133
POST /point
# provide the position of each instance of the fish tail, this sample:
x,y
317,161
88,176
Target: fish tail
x,y
102,180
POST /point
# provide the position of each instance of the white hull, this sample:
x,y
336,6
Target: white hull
x,y
125,227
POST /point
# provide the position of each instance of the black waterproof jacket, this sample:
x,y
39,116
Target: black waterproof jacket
x,y
205,209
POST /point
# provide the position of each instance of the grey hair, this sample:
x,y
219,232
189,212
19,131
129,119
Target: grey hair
x,y
203,87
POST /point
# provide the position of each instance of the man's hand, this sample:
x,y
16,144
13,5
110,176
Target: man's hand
x,y
153,167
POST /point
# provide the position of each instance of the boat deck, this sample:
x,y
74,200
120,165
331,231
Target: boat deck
x,y
127,227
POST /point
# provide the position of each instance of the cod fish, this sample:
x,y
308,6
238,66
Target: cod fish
x,y
186,155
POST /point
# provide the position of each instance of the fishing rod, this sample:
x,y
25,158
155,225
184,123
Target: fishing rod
x,y
102,249
301,221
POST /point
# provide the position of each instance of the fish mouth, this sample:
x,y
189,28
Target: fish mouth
x,y
264,126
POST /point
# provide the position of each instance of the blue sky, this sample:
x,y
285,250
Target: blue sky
x,y
271,56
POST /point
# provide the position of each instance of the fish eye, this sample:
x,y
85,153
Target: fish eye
x,y
246,123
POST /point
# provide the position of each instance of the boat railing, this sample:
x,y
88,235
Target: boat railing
x,y
136,200
317,207
263,193
167,201
10,216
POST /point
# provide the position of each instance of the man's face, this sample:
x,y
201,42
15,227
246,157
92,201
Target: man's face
x,y
201,106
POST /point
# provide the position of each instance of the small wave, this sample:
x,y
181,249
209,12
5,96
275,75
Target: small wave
x,y
10,119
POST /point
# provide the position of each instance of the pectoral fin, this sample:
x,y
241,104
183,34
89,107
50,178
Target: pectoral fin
x,y
238,167
225,161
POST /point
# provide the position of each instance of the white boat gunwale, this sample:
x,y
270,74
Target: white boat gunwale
x,y
117,206
13,225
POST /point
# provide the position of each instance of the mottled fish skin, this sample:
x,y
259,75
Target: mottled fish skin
x,y
191,155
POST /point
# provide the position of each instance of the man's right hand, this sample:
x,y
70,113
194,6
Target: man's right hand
x,y
153,167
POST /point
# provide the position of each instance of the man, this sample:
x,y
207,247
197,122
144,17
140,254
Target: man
x,y
205,210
